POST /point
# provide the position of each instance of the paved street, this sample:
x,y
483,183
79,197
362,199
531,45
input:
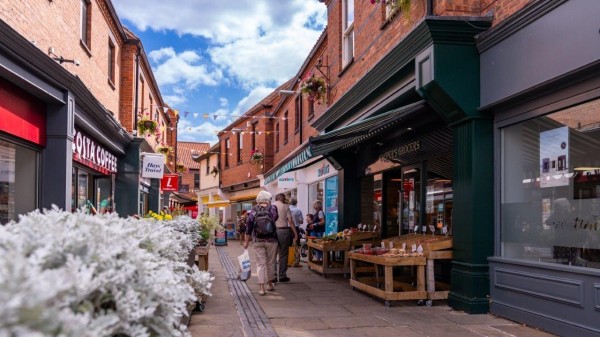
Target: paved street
x,y
310,305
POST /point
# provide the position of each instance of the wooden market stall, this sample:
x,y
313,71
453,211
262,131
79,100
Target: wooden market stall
x,y
331,266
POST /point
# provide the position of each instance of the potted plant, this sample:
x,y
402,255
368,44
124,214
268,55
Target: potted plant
x,y
166,150
402,5
145,125
316,89
256,156
180,168
214,171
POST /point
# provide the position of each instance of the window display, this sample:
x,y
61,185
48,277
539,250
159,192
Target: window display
x,y
550,190
18,167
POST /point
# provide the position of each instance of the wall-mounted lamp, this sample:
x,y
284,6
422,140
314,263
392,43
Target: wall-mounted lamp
x,y
61,59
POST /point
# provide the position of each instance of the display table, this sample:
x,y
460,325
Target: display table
x,y
393,290
326,266
435,247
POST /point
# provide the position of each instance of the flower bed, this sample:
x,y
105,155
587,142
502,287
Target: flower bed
x,y
72,274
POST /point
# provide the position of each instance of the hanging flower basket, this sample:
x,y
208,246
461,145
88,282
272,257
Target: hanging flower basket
x,y
181,168
315,88
395,5
146,126
214,171
166,150
256,156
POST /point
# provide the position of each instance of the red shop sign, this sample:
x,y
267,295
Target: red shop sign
x,y
170,182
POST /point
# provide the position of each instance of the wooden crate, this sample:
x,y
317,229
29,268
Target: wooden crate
x,y
361,237
326,266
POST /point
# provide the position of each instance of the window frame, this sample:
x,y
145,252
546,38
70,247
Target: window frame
x,y
85,23
227,144
207,165
240,144
347,34
285,127
276,134
298,114
111,62
197,180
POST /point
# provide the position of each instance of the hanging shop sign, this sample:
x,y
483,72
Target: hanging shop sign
x,y
91,154
169,183
153,166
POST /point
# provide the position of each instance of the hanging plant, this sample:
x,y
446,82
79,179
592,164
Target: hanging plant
x,y
166,150
316,89
256,156
214,171
146,125
395,5
181,168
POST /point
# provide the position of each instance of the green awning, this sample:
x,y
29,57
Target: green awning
x,y
362,130
296,160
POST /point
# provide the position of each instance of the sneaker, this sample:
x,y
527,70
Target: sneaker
x,y
261,292
270,287
284,279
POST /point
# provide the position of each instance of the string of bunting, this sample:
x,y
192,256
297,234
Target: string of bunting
x,y
214,116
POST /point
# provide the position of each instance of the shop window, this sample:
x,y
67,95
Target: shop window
x,y
315,192
347,32
103,194
18,167
550,188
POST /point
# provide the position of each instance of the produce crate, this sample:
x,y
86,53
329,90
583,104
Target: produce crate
x,y
202,257
327,266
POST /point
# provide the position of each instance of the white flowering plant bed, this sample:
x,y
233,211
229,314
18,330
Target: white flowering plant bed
x,y
73,274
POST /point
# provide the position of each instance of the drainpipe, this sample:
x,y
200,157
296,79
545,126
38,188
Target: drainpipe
x,y
429,7
137,75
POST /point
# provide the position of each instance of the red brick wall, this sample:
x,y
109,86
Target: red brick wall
x,y
56,24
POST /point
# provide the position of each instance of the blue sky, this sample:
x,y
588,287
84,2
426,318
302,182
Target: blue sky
x,y
221,57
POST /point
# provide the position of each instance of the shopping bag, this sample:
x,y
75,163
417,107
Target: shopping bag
x,y
244,261
291,255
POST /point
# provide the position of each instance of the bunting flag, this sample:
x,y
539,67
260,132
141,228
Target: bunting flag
x,y
215,117
205,115
196,115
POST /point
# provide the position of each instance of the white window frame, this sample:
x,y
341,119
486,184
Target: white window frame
x,y
84,28
347,33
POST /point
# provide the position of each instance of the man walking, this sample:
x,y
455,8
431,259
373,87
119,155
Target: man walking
x,y
298,220
285,232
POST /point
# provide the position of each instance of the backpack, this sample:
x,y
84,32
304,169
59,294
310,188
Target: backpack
x,y
263,225
298,218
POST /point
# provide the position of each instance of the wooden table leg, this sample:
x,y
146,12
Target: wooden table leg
x,y
325,261
352,269
421,278
389,278
430,277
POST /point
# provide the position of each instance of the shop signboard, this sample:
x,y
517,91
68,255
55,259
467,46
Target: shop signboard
x,y
153,166
169,183
331,206
286,181
91,154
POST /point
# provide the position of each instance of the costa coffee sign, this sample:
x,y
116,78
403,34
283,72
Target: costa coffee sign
x,y
89,153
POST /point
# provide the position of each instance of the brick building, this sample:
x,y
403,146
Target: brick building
x,y
190,175
68,71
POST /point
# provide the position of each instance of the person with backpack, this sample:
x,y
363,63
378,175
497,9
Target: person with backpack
x,y
286,232
298,220
261,226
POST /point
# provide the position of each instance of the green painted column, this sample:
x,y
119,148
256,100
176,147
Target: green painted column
x,y
448,79
127,182
472,221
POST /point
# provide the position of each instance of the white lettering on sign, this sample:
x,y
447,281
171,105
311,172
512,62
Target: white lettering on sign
x,y
91,154
401,150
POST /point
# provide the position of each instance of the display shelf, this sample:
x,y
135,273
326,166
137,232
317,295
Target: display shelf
x,y
393,290
326,266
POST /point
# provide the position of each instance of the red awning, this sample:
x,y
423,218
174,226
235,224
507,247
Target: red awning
x,y
191,208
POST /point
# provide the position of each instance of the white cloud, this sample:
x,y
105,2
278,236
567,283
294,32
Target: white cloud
x,y
205,132
224,101
255,96
174,100
183,68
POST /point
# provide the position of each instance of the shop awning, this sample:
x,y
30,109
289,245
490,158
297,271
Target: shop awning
x,y
295,160
217,204
362,130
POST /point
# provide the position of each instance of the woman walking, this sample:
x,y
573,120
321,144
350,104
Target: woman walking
x,y
265,241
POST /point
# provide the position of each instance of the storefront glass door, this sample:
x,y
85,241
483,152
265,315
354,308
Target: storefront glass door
x,y
438,204
410,196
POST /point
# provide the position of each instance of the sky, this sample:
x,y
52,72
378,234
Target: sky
x,y
220,58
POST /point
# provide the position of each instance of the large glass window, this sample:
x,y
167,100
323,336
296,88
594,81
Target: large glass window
x,y
18,167
550,188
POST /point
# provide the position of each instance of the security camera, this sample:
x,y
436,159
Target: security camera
x,y
76,62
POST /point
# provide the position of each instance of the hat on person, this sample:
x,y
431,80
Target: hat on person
x,y
263,196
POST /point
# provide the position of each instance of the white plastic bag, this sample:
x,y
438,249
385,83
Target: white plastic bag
x,y
244,261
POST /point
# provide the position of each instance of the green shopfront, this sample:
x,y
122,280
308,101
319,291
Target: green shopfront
x,y
545,270
414,153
